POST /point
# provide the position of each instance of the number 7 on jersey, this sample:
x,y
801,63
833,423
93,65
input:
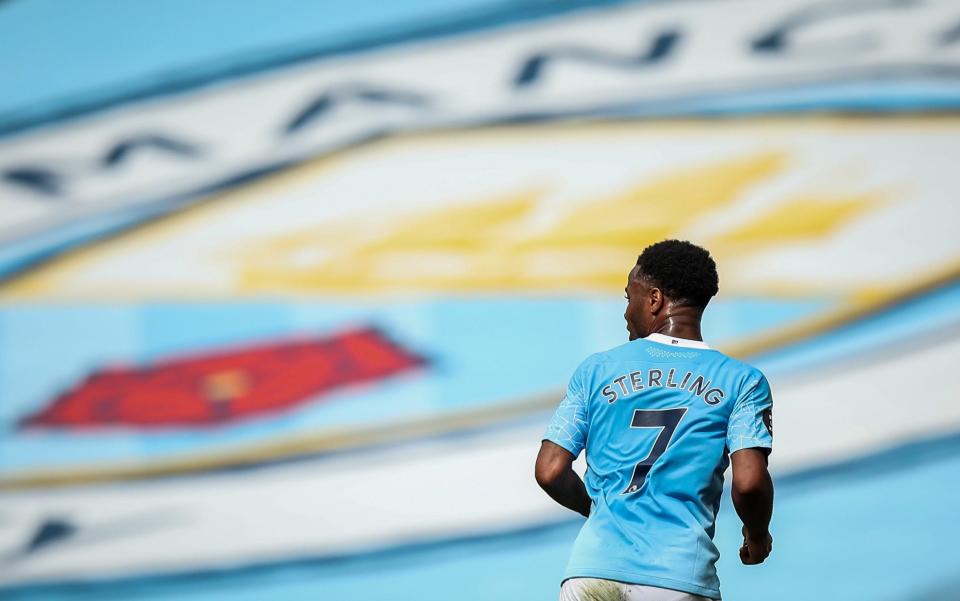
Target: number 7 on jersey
x,y
665,419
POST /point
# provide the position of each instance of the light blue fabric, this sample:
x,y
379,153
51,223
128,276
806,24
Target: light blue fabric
x,y
658,422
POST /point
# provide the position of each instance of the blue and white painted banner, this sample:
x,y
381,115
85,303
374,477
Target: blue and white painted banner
x,y
477,247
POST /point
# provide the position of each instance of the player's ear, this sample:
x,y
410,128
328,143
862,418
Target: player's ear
x,y
655,300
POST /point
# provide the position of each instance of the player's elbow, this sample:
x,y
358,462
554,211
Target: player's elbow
x,y
750,475
754,484
554,464
548,474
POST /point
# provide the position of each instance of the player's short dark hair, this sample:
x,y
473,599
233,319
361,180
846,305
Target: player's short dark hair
x,y
685,272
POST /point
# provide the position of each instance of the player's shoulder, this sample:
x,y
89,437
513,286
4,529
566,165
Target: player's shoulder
x,y
748,376
734,364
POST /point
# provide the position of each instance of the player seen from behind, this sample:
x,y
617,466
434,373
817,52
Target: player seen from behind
x,y
660,419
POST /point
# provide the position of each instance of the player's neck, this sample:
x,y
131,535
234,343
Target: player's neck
x,y
680,325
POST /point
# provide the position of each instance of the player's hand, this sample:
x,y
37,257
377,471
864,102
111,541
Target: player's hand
x,y
755,550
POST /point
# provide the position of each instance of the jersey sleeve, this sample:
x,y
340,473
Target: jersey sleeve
x,y
751,422
570,422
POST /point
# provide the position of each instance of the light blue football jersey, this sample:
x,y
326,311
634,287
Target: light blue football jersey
x,y
658,418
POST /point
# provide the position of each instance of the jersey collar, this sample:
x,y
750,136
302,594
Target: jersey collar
x,y
673,341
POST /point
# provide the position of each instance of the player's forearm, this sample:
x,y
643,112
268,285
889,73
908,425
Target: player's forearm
x,y
753,501
567,489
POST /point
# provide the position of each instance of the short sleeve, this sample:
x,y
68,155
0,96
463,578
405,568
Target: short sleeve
x,y
751,422
569,425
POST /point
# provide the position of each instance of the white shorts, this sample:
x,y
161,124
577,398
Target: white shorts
x,y
595,589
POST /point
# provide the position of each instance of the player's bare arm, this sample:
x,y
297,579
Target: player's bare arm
x,y
752,493
555,475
